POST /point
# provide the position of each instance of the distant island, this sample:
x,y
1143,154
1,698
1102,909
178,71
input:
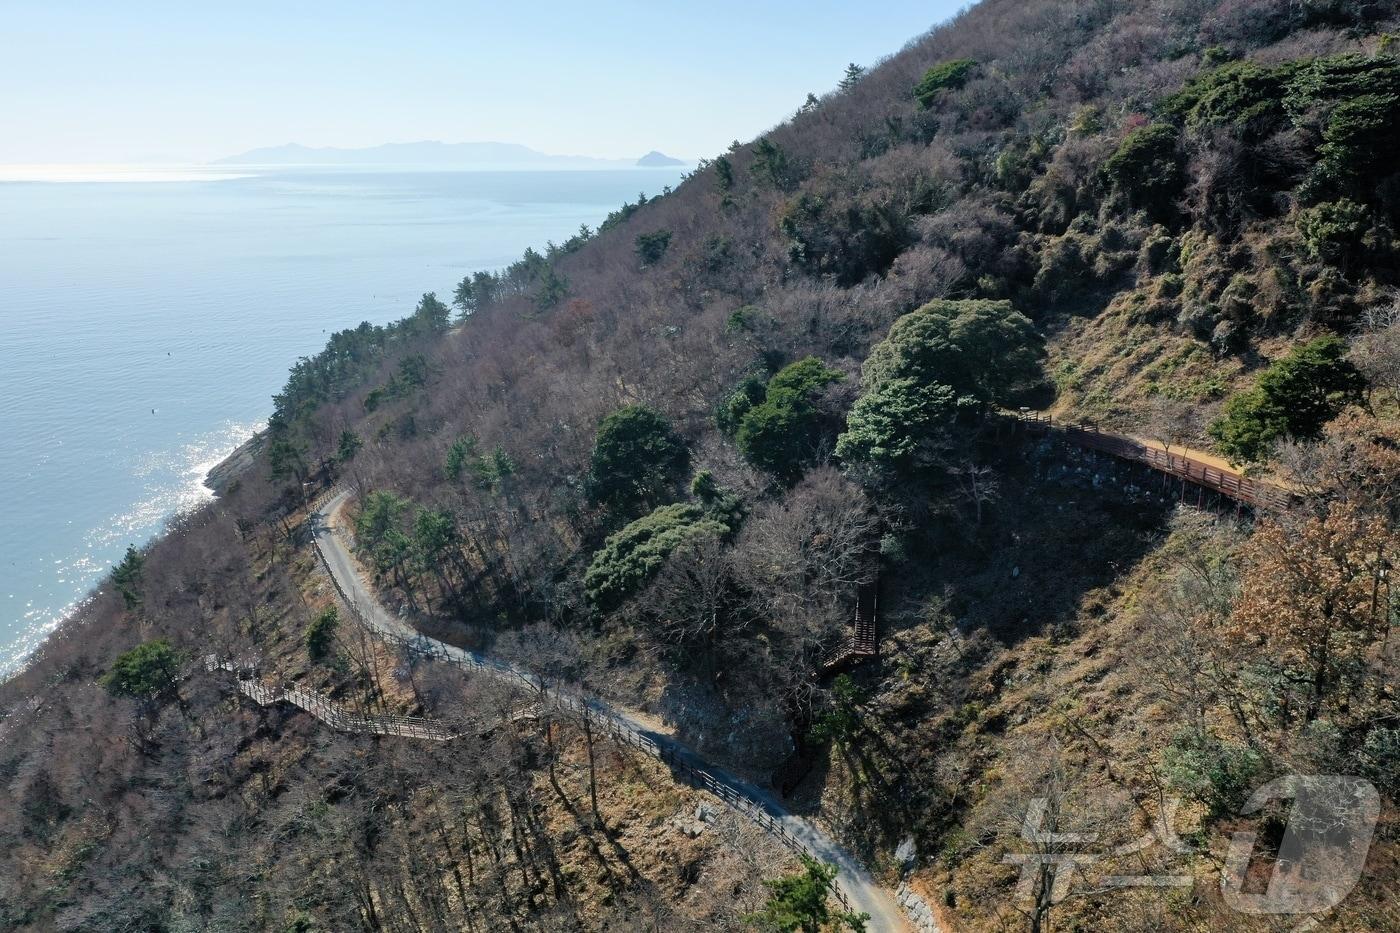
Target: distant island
x,y
656,159
432,152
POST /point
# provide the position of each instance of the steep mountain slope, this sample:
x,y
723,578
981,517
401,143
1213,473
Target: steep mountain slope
x,y
667,461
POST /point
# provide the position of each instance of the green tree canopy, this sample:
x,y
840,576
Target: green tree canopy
x,y
781,433
633,555
491,471
891,424
801,903
434,532
349,445
286,457
985,351
650,247
946,76
1294,397
379,530
748,393
146,672
126,576
381,513
774,166
320,635
431,314
637,457
1148,168
724,173
1336,232
474,292
459,457
945,358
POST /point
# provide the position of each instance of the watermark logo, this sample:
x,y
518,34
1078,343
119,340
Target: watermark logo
x,y
1323,850
1317,863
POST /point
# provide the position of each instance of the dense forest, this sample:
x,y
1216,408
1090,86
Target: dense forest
x,y
664,459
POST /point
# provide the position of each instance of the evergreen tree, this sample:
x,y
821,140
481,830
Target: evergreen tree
x,y
801,903
127,577
637,457
147,672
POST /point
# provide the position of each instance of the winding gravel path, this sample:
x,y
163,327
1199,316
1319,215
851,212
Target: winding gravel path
x,y
860,889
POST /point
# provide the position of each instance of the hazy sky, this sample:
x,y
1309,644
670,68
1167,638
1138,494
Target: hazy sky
x,y
137,80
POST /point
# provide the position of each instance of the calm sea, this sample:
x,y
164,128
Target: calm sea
x,y
145,325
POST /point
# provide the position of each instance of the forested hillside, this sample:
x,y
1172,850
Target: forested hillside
x,y
666,460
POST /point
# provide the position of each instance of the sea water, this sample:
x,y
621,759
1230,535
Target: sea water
x,y
148,315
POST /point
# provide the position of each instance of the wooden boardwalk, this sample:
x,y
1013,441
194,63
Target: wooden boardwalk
x,y
1191,471
330,712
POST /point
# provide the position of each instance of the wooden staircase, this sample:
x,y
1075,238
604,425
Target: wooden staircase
x,y
865,640
329,712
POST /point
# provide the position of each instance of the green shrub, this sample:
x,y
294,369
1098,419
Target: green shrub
x,y
459,457
633,555
780,434
1294,397
637,456
320,634
947,76
1147,167
748,393
1334,231
1357,144
650,247
146,672
1379,757
1218,774
1242,94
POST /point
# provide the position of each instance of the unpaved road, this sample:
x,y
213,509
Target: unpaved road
x,y
861,890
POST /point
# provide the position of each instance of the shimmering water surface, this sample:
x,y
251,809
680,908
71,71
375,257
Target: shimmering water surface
x,y
146,322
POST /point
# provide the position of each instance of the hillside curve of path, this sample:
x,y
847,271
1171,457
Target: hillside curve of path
x,y
862,892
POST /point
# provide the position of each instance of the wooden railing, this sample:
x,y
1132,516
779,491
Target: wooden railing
x,y
865,640
748,802
604,721
331,713
1234,486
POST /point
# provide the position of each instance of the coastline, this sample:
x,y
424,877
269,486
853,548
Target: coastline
x,y
226,472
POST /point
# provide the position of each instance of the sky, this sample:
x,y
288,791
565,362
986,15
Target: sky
x,y
143,81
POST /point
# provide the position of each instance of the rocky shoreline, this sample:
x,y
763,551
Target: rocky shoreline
x,y
227,471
